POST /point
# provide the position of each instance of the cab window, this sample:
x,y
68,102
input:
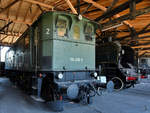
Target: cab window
x,y
27,41
88,32
76,32
61,27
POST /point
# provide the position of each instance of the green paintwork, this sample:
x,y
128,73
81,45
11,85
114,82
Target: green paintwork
x,y
59,53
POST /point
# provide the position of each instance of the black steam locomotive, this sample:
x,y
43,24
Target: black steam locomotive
x,y
117,64
56,56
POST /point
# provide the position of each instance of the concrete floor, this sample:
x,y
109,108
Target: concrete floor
x,y
133,100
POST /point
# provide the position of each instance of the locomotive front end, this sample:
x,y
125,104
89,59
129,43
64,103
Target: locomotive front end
x,y
72,51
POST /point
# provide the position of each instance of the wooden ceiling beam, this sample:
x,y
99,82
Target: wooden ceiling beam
x,y
141,46
9,34
128,16
5,44
26,14
142,49
2,29
8,6
71,6
105,9
3,38
39,3
142,53
8,12
81,5
116,10
12,28
19,31
15,21
93,10
16,38
12,40
40,8
19,7
113,3
96,5
35,16
86,10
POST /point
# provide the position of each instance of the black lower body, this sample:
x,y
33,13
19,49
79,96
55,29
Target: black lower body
x,y
118,77
75,85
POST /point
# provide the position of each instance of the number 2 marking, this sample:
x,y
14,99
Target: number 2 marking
x,y
47,31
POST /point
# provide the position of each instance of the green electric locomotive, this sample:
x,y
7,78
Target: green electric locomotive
x,y
59,48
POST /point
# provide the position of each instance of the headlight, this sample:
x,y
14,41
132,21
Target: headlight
x,y
127,72
80,17
95,74
60,75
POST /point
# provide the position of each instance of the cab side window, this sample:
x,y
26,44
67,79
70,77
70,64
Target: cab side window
x,y
88,30
27,41
61,27
76,32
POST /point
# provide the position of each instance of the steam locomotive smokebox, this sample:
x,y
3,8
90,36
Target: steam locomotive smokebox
x,y
72,91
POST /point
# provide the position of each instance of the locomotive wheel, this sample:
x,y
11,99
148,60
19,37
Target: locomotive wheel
x,y
99,91
118,83
85,98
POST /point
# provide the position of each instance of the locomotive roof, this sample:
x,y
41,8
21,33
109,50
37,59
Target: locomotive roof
x,y
130,29
64,12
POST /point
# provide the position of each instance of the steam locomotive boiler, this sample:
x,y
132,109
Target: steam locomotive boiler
x,y
56,55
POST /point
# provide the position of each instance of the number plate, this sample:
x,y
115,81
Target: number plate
x,y
103,79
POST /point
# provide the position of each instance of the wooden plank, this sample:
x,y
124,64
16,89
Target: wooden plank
x,y
127,16
86,10
19,7
39,3
105,9
141,54
8,6
8,12
4,38
19,31
26,14
117,10
142,44
114,2
11,42
2,29
12,28
96,5
147,48
34,17
8,34
71,6
133,8
15,21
